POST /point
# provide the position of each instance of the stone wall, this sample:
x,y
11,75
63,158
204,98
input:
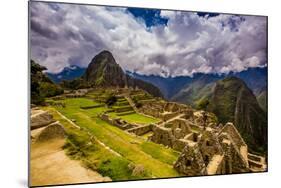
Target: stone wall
x,y
141,130
153,109
168,115
166,110
118,122
234,160
92,106
230,129
191,162
162,135
179,124
209,145
77,93
179,144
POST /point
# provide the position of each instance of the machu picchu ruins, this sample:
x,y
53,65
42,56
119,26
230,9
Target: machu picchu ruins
x,y
204,146
207,147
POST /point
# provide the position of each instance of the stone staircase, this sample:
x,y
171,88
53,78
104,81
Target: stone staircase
x,y
132,104
214,164
256,163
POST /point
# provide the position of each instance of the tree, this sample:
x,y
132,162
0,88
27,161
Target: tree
x,y
41,86
111,100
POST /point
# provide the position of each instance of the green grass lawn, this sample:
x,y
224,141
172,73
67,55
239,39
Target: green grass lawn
x,y
156,159
136,118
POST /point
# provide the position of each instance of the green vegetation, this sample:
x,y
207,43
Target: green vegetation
x,y
133,149
100,72
111,100
136,118
262,100
203,104
195,92
93,155
74,84
168,156
49,89
41,85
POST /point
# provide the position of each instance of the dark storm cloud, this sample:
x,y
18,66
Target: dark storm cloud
x,y
71,35
36,26
186,43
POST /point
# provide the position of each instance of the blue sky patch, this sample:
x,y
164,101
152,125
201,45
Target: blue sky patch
x,y
151,17
203,14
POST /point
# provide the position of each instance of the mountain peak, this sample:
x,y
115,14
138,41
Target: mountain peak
x,y
233,101
105,52
103,71
104,57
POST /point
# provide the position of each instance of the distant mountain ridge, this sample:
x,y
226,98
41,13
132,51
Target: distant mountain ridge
x,y
168,86
189,90
68,73
186,89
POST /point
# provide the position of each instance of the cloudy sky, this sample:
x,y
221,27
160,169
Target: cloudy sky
x,y
146,41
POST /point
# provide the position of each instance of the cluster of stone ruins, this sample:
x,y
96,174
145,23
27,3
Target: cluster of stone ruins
x,y
206,147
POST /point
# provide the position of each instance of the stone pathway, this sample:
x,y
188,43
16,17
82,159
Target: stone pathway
x,y
50,166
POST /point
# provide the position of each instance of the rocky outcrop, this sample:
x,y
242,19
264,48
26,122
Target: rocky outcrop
x,y
44,127
53,131
40,118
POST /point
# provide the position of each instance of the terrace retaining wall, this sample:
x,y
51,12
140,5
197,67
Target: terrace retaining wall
x,y
141,130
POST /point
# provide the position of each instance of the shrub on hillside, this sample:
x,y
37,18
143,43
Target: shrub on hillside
x,y
49,90
111,100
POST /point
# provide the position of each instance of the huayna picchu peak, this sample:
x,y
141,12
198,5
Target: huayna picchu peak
x,y
103,71
233,101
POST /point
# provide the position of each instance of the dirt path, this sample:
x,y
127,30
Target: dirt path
x,y
50,165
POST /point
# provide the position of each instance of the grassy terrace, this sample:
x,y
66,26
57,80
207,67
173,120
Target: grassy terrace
x,y
136,118
94,156
156,159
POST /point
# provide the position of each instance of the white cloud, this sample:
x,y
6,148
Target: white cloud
x,y
188,44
